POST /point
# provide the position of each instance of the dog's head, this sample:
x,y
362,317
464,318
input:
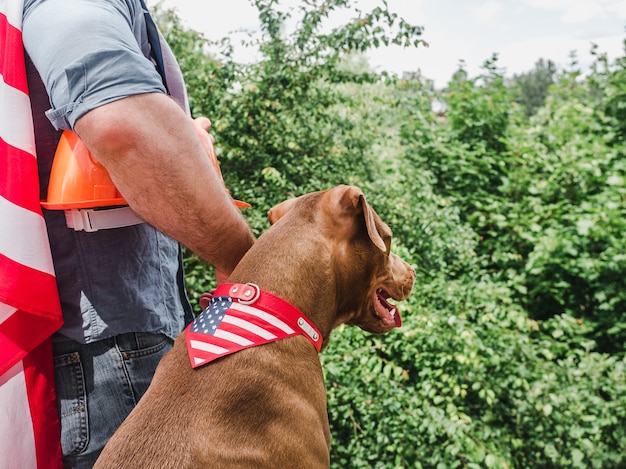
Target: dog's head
x,y
357,245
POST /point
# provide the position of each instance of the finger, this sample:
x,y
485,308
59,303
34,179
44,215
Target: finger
x,y
203,122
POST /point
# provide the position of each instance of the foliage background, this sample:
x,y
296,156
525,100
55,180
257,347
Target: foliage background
x,y
510,205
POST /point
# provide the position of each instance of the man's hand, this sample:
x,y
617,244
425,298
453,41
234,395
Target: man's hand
x,y
203,125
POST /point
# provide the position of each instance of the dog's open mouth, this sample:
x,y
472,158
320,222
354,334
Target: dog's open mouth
x,y
385,310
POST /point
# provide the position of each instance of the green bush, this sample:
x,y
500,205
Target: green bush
x,y
512,350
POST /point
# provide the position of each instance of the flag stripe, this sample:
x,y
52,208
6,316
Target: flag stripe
x,y
39,374
24,287
221,343
17,442
272,330
5,312
19,166
248,326
32,250
198,361
264,316
232,337
205,347
12,11
18,336
12,60
16,127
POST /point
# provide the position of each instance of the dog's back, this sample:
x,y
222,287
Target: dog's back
x,y
242,411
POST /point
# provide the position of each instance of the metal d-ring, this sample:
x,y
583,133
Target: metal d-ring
x,y
257,294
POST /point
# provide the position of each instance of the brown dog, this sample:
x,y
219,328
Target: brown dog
x,y
328,254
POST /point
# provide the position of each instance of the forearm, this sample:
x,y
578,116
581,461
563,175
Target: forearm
x,y
156,160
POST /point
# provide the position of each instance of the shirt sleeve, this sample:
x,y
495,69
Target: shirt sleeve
x,y
88,54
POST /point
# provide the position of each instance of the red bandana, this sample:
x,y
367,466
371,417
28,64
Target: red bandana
x,y
242,316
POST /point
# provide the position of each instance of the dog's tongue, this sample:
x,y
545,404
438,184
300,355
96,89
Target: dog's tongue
x,y
397,318
390,309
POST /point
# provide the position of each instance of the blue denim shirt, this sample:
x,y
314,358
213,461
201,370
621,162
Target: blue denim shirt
x,y
117,280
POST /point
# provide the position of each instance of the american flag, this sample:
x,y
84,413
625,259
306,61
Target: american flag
x,y
30,311
227,326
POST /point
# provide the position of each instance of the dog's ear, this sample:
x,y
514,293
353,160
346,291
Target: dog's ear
x,y
370,223
352,198
276,213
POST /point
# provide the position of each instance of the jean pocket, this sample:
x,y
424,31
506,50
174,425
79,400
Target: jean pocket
x,y
142,358
72,402
142,344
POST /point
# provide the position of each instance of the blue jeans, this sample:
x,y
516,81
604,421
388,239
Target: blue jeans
x,y
97,386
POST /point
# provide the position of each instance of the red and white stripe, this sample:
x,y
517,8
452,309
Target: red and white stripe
x,y
243,326
241,316
29,304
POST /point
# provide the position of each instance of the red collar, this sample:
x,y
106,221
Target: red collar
x,y
242,316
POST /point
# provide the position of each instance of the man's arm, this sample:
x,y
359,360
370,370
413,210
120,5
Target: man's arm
x,y
156,160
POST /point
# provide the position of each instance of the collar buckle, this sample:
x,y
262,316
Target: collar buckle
x,y
246,293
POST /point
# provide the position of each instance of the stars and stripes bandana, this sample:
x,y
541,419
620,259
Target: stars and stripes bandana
x,y
29,304
242,316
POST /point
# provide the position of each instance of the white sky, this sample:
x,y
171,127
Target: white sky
x,y
520,31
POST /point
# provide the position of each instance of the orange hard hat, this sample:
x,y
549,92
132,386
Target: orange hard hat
x,y
78,181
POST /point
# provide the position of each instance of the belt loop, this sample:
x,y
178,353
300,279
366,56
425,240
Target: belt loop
x,y
138,342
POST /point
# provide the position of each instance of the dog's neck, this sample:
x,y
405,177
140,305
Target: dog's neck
x,y
295,277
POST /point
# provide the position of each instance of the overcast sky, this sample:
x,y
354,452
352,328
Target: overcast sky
x,y
520,31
